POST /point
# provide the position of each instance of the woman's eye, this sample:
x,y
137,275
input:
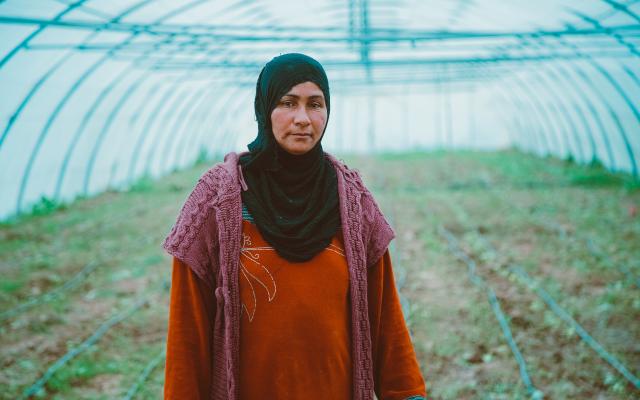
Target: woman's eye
x,y
287,103
316,105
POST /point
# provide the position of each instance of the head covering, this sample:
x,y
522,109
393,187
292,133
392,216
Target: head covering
x,y
293,199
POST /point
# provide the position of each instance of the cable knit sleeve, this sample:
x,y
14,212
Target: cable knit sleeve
x,y
397,374
376,230
193,238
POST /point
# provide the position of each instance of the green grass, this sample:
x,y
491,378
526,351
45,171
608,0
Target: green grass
x,y
571,227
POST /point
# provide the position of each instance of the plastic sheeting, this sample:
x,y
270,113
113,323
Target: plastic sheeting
x,y
97,94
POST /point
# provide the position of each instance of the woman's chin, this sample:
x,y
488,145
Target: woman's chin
x,y
297,149
297,152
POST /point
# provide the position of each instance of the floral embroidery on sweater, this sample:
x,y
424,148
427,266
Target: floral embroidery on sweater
x,y
253,271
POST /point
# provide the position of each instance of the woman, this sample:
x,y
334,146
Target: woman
x,y
282,284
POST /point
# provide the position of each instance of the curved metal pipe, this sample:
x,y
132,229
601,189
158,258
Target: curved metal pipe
x,y
69,94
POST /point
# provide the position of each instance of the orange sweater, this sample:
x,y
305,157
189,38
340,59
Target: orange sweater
x,y
295,329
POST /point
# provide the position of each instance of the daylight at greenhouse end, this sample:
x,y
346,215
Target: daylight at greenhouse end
x,y
330,199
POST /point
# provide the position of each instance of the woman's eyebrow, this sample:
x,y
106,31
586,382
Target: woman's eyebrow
x,y
315,96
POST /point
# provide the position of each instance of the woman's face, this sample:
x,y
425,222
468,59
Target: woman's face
x,y
299,118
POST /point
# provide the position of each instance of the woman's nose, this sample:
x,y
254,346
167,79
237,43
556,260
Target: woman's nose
x,y
301,117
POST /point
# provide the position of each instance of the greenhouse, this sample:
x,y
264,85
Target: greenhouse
x,y
500,140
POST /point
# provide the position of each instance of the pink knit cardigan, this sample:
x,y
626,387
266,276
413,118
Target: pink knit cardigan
x,y
206,236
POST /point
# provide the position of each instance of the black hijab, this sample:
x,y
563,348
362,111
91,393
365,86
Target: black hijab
x,y
293,199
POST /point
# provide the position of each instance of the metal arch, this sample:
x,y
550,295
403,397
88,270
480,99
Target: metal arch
x,y
558,133
598,119
173,107
34,89
632,49
141,140
522,43
562,111
98,143
194,138
99,140
46,76
181,152
394,63
615,117
470,65
50,72
379,35
115,111
623,8
87,10
613,82
578,110
589,83
122,102
612,112
81,128
67,96
208,101
545,121
388,39
590,138
571,85
579,113
514,121
537,119
45,131
241,102
589,104
152,152
520,135
130,91
619,125
593,112
36,32
146,126
537,103
144,133
591,107
181,145
229,139
182,139
178,123
133,119
631,74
